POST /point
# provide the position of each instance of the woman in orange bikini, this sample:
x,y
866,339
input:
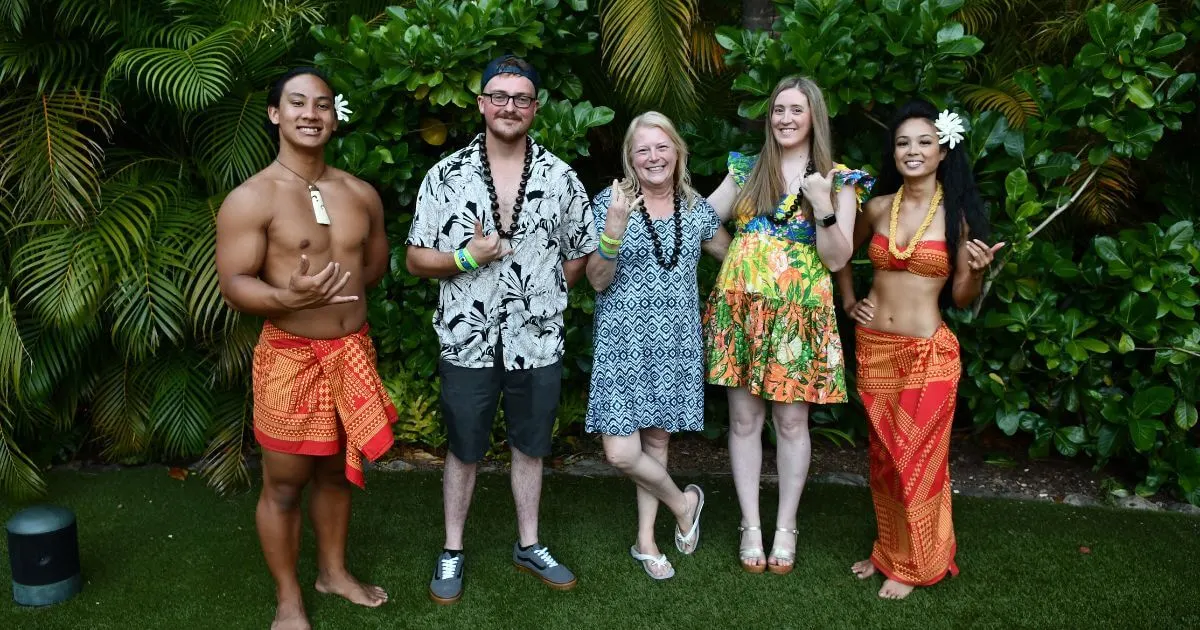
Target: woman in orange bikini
x,y
926,228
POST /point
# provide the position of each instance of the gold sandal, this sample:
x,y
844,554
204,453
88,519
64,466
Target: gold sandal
x,y
746,554
782,554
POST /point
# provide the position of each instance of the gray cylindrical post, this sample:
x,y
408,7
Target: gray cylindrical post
x,y
43,549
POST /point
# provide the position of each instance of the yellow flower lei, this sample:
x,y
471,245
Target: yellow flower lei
x,y
895,219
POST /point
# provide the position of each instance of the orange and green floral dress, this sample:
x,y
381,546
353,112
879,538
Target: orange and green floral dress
x,y
769,324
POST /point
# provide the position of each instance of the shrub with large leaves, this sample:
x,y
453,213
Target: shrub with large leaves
x,y
412,81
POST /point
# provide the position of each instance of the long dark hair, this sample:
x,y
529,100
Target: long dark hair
x,y
961,200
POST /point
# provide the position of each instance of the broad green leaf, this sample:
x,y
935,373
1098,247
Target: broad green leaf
x,y
1167,44
1008,421
1109,439
1140,93
1185,415
1145,20
1180,85
1125,345
1016,184
1142,433
1091,56
1152,401
949,33
1099,155
1179,236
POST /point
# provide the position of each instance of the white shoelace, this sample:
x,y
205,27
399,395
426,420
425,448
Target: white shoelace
x,y
449,565
544,554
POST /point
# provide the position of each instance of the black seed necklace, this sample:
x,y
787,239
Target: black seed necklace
x,y
491,187
677,218
795,207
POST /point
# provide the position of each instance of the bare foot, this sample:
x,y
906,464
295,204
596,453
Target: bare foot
x,y
863,569
290,616
691,502
894,590
751,551
782,555
356,592
656,569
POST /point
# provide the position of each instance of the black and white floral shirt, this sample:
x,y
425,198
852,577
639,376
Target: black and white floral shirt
x,y
521,297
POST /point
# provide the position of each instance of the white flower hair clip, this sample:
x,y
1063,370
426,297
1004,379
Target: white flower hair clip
x,y
950,128
342,107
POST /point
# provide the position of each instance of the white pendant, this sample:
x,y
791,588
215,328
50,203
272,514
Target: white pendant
x,y
318,205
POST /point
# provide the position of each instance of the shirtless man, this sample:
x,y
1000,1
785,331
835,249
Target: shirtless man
x,y
299,243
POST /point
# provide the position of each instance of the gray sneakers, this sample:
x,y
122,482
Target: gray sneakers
x,y
538,561
446,587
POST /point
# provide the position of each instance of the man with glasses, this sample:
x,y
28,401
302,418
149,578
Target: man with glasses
x,y
505,225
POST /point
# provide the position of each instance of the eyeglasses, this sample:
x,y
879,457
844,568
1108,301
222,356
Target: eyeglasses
x,y
500,99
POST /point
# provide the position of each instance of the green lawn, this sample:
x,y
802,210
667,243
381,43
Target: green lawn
x,y
160,553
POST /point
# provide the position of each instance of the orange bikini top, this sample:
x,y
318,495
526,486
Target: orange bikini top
x,y
930,259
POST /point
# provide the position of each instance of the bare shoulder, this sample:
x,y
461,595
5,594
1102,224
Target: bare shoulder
x,y
877,206
252,199
363,191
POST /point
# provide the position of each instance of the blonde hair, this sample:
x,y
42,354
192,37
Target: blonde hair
x,y
682,179
765,186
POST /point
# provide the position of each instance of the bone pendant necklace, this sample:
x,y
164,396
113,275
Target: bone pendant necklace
x,y
314,194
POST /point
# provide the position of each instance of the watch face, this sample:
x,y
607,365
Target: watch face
x,y
829,220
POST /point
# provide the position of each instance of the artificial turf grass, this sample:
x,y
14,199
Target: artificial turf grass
x,y
160,553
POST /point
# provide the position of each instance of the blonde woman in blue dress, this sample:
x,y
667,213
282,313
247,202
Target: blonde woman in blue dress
x,y
648,369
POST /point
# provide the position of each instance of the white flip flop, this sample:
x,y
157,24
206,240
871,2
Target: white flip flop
x,y
693,536
658,561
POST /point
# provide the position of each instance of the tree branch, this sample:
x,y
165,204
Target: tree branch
x,y
1059,210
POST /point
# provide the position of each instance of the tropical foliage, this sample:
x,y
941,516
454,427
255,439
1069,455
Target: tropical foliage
x,y
414,92
125,122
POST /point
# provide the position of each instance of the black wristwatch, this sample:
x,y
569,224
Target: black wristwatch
x,y
827,221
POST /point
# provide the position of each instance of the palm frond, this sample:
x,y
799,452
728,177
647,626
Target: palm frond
x,y
708,57
179,36
1110,194
128,210
211,318
647,48
188,78
13,354
61,276
94,18
1005,97
56,65
182,410
121,408
13,13
231,142
147,305
19,476
55,354
232,354
979,16
47,157
224,461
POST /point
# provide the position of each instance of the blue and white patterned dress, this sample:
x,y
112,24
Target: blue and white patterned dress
x,y
648,368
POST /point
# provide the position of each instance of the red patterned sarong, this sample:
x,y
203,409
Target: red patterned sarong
x,y
320,396
909,386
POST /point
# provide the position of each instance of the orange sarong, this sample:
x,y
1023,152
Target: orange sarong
x,y
319,396
909,386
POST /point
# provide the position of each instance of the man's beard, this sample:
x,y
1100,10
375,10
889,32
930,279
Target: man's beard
x,y
508,133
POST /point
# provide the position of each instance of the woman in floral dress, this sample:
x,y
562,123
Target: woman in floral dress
x,y
769,325
648,370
